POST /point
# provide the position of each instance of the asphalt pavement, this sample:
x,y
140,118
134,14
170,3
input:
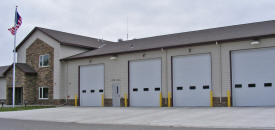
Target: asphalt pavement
x,y
13,124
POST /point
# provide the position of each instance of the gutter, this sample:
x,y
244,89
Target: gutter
x,y
167,47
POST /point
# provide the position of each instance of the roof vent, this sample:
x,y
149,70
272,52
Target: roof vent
x,y
132,46
101,45
120,40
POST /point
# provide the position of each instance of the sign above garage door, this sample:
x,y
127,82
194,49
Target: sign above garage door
x,y
253,77
192,80
145,82
91,85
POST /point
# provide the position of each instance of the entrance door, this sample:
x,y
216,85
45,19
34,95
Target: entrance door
x,y
116,95
18,95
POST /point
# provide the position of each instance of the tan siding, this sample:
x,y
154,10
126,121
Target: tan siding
x,y
118,69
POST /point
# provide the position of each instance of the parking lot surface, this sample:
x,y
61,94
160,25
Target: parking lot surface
x,y
243,117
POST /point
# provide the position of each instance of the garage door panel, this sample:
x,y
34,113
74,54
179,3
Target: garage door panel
x,y
192,80
251,67
145,76
91,85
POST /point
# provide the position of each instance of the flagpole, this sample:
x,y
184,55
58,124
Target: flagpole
x,y
14,62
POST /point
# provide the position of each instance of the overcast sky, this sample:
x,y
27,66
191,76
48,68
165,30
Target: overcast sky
x,y
108,18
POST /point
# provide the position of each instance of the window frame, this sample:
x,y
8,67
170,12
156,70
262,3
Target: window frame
x,y
39,96
41,58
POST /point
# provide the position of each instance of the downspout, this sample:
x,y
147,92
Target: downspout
x,y
166,73
67,82
220,56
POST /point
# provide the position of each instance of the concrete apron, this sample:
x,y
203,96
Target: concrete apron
x,y
234,117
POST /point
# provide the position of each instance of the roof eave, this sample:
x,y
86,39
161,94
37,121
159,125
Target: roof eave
x,y
62,43
29,35
166,47
74,45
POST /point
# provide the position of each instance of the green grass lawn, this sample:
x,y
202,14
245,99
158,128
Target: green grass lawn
x,y
4,109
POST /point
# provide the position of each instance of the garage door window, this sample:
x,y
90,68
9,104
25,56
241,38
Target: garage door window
x,y
157,89
101,90
205,87
192,87
251,85
179,88
238,86
43,93
145,89
268,84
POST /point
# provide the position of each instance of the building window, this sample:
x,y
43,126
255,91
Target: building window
x,y
44,60
43,93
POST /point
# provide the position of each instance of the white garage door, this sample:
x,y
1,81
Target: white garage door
x,y
253,77
192,80
145,82
91,85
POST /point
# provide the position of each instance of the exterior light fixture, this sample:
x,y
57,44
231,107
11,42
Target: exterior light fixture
x,y
113,57
255,42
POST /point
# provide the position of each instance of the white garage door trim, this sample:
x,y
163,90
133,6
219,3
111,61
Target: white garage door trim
x,y
252,71
145,82
91,84
189,88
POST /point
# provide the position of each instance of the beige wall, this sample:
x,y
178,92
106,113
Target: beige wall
x,y
3,87
65,51
60,52
116,71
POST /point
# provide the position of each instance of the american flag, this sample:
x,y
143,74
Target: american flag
x,y
18,22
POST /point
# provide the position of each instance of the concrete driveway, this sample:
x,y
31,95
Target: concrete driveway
x,y
245,117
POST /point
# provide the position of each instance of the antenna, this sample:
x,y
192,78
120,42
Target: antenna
x,y
127,29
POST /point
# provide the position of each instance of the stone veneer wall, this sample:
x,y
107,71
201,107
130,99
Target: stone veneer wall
x,y
20,82
45,75
29,91
217,102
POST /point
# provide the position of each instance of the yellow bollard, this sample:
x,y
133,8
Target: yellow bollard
x,y
125,100
160,99
75,100
102,100
211,98
228,98
169,99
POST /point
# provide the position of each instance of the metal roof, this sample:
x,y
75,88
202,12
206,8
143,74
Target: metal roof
x,y
3,69
228,33
22,66
68,39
